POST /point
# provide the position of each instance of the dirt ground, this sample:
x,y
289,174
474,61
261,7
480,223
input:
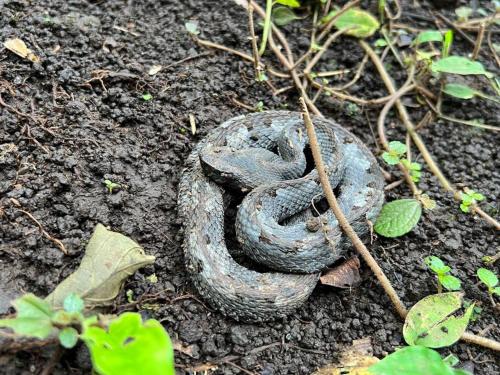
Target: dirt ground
x,y
78,118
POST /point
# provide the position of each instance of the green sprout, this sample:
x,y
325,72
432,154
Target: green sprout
x,y
447,42
259,107
381,10
396,151
147,97
267,19
192,28
469,198
442,271
110,185
414,169
489,279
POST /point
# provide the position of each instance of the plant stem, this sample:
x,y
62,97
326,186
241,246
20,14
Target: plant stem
x,y
410,128
479,41
482,341
267,27
344,223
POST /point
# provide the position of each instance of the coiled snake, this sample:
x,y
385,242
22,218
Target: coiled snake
x,y
264,154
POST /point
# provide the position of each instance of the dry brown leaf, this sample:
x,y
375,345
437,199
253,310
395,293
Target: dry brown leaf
x,y
343,276
154,69
354,360
17,46
188,350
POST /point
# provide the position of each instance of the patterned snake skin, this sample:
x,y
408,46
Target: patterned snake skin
x,y
277,224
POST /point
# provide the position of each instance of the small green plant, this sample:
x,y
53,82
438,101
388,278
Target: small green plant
x,y
469,198
395,155
192,28
489,279
442,271
447,42
268,22
147,97
259,107
110,185
396,151
123,346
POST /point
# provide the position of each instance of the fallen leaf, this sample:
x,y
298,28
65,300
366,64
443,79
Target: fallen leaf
x,y
354,360
178,346
17,46
154,69
343,276
109,259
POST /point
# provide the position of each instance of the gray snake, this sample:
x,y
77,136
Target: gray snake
x,y
264,154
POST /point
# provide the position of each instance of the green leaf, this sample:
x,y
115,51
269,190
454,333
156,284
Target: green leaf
x,y
436,265
451,360
33,317
357,22
448,40
68,337
463,13
73,303
380,43
428,36
412,360
289,3
283,16
450,282
146,97
477,196
465,207
192,28
459,91
459,65
397,147
497,290
390,159
130,347
433,321
487,277
398,217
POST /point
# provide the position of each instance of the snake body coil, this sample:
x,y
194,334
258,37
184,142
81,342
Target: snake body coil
x,y
264,154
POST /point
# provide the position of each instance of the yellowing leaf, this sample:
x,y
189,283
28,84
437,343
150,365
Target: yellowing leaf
x,y
17,46
109,259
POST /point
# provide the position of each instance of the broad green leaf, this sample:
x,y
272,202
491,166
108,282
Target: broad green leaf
x,y
428,36
33,317
459,65
68,337
412,360
73,303
130,347
434,321
109,259
436,264
283,16
289,3
358,23
487,277
450,282
459,91
398,217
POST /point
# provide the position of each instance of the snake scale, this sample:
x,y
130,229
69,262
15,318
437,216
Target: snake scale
x,y
277,225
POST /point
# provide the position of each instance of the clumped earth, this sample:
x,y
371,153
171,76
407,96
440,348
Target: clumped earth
x,y
79,117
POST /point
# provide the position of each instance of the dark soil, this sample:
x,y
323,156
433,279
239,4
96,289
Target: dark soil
x,y
62,133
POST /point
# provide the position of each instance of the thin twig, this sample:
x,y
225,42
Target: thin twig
x,y
344,223
410,128
57,242
479,41
357,243
492,49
